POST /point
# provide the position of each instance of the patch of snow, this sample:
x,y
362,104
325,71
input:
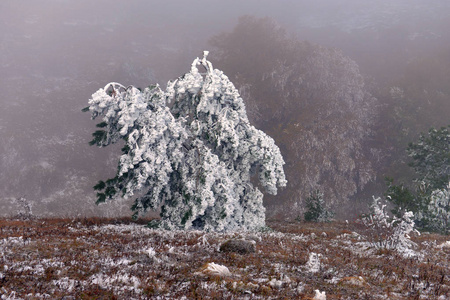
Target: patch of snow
x,y
65,283
300,288
277,284
444,245
118,281
334,280
150,252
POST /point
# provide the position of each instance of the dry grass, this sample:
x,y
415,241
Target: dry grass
x,y
119,259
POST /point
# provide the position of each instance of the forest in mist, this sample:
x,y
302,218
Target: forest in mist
x,y
342,86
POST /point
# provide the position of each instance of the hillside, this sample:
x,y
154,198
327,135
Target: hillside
x,y
107,259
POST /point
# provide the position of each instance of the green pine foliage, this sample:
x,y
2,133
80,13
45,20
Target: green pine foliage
x,y
403,198
428,196
431,158
316,208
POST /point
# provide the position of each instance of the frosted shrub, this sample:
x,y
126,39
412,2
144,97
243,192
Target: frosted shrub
x,y
439,210
313,264
25,206
400,240
384,232
189,150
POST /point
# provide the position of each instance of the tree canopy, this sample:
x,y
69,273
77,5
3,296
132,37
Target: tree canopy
x,y
189,150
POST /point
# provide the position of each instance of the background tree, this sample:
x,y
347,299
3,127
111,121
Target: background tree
x,y
311,99
189,150
427,195
412,103
316,211
431,158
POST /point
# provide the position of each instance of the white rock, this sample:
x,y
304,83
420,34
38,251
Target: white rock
x,y
320,295
216,269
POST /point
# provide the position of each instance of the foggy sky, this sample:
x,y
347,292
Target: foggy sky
x,y
54,54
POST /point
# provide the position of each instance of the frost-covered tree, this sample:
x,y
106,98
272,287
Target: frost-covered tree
x,y
189,150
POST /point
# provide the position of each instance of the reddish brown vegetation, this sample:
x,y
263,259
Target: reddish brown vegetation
x,y
110,259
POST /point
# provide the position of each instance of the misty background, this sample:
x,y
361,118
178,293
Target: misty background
x,y
342,106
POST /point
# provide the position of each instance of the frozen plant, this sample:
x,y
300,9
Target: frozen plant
x,y
151,254
313,264
189,151
385,232
378,224
25,208
438,213
401,240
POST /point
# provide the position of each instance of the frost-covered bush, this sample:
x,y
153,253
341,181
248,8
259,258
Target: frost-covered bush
x,y
439,210
316,208
24,211
189,151
384,232
313,264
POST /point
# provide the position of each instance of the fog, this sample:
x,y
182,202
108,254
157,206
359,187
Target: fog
x,y
54,54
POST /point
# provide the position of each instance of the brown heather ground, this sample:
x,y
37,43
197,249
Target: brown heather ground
x,y
119,259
